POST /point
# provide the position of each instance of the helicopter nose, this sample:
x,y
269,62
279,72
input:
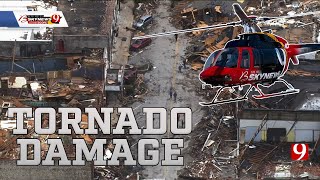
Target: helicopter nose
x,y
201,76
207,73
214,77
204,76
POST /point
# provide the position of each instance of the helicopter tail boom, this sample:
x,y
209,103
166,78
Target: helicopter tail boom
x,y
298,49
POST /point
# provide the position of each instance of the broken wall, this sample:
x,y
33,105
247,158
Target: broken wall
x,y
74,44
24,49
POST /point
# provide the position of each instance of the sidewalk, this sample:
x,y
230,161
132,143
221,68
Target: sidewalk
x,y
120,50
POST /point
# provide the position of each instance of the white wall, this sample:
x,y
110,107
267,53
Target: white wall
x,y
303,131
281,124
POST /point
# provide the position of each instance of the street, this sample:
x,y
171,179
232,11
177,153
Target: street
x,y
165,55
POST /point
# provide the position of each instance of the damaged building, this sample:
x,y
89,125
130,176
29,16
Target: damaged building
x,y
274,126
92,24
85,40
25,42
60,67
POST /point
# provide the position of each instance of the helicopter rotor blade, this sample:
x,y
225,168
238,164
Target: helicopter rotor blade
x,y
244,18
256,27
267,19
240,13
188,30
304,24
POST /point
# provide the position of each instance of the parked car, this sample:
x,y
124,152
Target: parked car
x,y
140,43
143,22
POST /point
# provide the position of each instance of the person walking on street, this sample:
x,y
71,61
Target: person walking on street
x,y
180,67
170,92
175,96
176,37
184,64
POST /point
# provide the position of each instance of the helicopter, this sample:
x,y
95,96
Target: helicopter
x,y
255,59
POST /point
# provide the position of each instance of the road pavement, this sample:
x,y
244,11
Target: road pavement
x,y
165,53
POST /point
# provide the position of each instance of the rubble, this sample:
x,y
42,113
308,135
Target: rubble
x,y
205,165
58,85
213,145
146,8
134,83
214,160
295,72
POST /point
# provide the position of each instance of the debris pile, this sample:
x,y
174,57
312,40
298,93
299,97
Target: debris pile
x,y
145,8
296,72
203,42
140,88
215,137
212,138
190,16
54,81
277,165
134,84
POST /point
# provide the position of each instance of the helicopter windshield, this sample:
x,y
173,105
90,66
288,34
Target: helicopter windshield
x,y
228,58
210,59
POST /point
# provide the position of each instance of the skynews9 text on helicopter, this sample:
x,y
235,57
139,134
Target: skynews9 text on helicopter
x,y
256,59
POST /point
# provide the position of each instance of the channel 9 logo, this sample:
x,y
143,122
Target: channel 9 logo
x,y
299,152
55,18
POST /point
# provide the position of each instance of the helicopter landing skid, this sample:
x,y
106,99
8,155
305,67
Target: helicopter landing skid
x,y
290,90
215,100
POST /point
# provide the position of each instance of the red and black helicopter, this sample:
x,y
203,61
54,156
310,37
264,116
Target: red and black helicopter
x,y
257,58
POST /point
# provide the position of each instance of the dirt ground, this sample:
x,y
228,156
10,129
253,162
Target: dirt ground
x,y
166,54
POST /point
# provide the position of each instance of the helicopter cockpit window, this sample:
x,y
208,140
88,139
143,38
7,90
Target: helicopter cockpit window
x,y
269,57
245,61
281,55
210,60
257,58
228,58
